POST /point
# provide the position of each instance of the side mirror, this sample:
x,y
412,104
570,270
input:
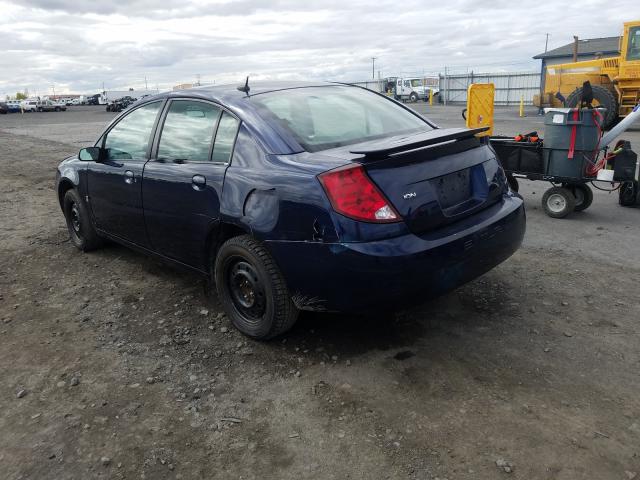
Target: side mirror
x,y
90,154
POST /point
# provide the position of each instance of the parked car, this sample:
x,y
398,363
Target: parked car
x,y
4,108
13,106
295,196
29,105
51,106
120,104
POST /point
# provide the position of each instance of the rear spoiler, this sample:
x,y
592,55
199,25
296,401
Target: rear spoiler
x,y
389,146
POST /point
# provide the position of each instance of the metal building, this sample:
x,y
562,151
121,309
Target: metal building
x,y
509,86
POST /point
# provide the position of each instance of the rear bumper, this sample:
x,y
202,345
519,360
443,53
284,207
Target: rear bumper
x,y
397,272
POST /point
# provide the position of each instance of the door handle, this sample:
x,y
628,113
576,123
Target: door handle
x,y
129,177
199,181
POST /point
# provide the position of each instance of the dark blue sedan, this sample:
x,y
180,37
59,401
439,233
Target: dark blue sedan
x,y
295,196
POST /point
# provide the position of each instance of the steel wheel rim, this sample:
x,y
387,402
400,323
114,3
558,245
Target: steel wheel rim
x,y
556,203
75,218
246,289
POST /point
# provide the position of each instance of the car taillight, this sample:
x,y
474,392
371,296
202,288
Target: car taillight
x,y
353,194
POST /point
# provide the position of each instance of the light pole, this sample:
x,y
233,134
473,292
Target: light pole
x,y
373,68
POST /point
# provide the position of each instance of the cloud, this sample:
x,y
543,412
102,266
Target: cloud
x,y
78,45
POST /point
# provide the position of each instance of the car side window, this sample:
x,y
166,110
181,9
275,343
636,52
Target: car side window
x,y
188,131
129,138
225,137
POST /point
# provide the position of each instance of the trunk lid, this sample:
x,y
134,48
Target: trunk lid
x,y
434,178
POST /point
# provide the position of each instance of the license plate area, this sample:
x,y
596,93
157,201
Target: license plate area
x,y
453,189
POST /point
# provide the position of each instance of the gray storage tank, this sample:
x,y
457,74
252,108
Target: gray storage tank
x,y
559,125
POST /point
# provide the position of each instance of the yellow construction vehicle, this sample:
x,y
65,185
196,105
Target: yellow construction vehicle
x,y
615,81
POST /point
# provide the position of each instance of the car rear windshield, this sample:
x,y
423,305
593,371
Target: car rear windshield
x,y
328,117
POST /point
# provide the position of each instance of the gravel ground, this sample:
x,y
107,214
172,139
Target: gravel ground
x,y
117,366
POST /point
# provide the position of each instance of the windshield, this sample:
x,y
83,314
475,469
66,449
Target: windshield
x,y
328,117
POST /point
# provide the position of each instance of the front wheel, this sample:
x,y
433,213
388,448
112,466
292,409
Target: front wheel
x,y
558,202
252,289
413,97
81,230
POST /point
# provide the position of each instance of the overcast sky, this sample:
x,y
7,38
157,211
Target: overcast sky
x,y
77,45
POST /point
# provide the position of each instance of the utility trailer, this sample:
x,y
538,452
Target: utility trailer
x,y
570,158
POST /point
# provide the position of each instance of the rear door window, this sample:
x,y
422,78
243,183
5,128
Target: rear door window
x,y
188,130
225,138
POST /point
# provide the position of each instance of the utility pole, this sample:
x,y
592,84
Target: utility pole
x,y
575,49
197,79
146,87
373,68
54,90
546,43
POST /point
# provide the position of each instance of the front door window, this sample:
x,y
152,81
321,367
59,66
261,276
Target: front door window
x,y
129,139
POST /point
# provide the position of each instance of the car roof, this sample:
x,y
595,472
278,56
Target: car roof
x,y
230,95
279,141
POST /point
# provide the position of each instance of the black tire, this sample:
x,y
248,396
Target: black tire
x,y
584,196
605,98
413,97
252,289
39,109
57,109
513,183
81,230
558,202
628,194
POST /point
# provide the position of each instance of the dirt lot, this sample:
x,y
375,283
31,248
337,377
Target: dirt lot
x,y
116,366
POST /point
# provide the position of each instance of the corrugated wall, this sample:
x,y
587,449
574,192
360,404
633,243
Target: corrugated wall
x,y
508,86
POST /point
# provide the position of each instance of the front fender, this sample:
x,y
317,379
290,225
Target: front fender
x,y
70,173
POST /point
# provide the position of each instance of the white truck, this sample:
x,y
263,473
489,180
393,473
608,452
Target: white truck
x,y
412,88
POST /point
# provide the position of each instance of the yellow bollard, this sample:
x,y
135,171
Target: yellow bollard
x,y
430,96
522,105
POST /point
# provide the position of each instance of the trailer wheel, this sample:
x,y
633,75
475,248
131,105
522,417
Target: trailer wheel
x,y
584,196
558,202
628,194
603,97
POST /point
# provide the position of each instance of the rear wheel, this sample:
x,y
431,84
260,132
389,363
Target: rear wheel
x,y
57,109
558,202
81,230
628,194
602,97
252,289
583,194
